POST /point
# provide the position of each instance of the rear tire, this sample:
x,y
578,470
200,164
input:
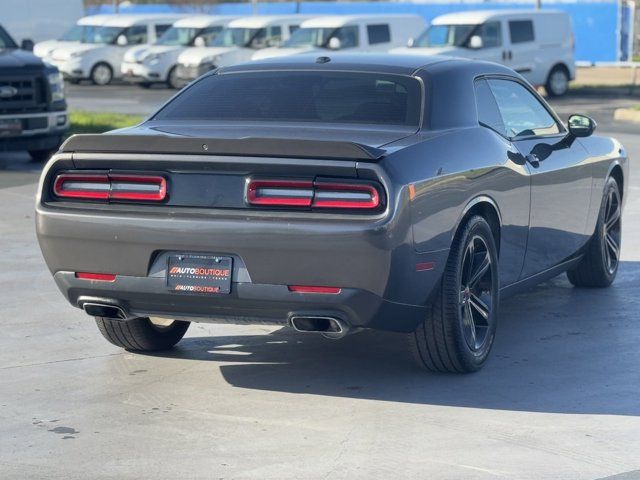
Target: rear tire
x,y
599,266
557,82
459,330
141,334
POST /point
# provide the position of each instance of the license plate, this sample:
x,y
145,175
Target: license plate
x,y
204,274
10,127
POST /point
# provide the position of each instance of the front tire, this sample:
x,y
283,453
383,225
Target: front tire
x,y
173,81
458,333
101,74
142,334
599,266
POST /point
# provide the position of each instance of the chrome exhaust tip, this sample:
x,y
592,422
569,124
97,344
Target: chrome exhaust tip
x,y
104,310
329,327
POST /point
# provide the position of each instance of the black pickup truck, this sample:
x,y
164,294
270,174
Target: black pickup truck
x,y
33,110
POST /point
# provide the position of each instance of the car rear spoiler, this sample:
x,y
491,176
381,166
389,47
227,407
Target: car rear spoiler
x,y
249,146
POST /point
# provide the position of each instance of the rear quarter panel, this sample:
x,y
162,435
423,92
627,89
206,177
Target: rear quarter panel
x,y
448,173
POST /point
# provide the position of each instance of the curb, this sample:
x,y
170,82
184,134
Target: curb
x,y
627,115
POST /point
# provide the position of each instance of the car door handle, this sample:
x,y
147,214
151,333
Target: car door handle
x,y
504,55
533,160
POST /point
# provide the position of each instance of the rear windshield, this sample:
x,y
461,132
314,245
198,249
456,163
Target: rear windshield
x,y
300,96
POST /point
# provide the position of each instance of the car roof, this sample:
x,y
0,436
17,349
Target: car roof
x,y
335,21
129,20
403,64
260,21
475,17
201,21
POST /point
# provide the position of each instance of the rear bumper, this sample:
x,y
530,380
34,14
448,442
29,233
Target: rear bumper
x,y
247,303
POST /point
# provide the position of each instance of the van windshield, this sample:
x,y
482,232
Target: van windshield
x,y
300,96
238,37
104,35
319,37
444,36
79,33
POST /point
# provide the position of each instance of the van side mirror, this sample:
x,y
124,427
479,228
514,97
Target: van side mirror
x,y
199,42
334,43
581,125
411,42
122,41
475,42
27,44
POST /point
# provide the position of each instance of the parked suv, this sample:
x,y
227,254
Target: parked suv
x,y
539,45
33,111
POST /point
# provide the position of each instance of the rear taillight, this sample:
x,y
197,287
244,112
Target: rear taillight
x,y
286,193
334,194
110,187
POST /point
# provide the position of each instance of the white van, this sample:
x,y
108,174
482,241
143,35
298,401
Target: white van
x,y
237,43
537,44
98,58
146,65
39,20
363,33
85,28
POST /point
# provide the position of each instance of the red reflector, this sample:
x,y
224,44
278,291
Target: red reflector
x,y
312,289
286,193
426,266
103,277
110,187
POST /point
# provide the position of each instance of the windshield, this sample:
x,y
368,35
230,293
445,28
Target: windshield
x,y
103,35
80,33
295,96
444,36
184,36
238,37
319,37
5,40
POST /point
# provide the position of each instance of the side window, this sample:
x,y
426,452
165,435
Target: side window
x,y
293,28
488,112
378,33
161,28
274,36
491,34
521,31
522,113
136,34
348,36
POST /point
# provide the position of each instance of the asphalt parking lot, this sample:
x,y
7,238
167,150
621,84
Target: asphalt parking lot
x,y
560,397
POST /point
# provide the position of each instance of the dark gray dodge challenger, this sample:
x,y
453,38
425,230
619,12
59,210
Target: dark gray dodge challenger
x,y
333,194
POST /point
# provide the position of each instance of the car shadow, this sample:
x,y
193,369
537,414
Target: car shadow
x,y
559,349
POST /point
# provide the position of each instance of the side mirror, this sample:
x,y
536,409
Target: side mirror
x,y
27,44
411,42
334,43
581,126
475,42
122,41
199,42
